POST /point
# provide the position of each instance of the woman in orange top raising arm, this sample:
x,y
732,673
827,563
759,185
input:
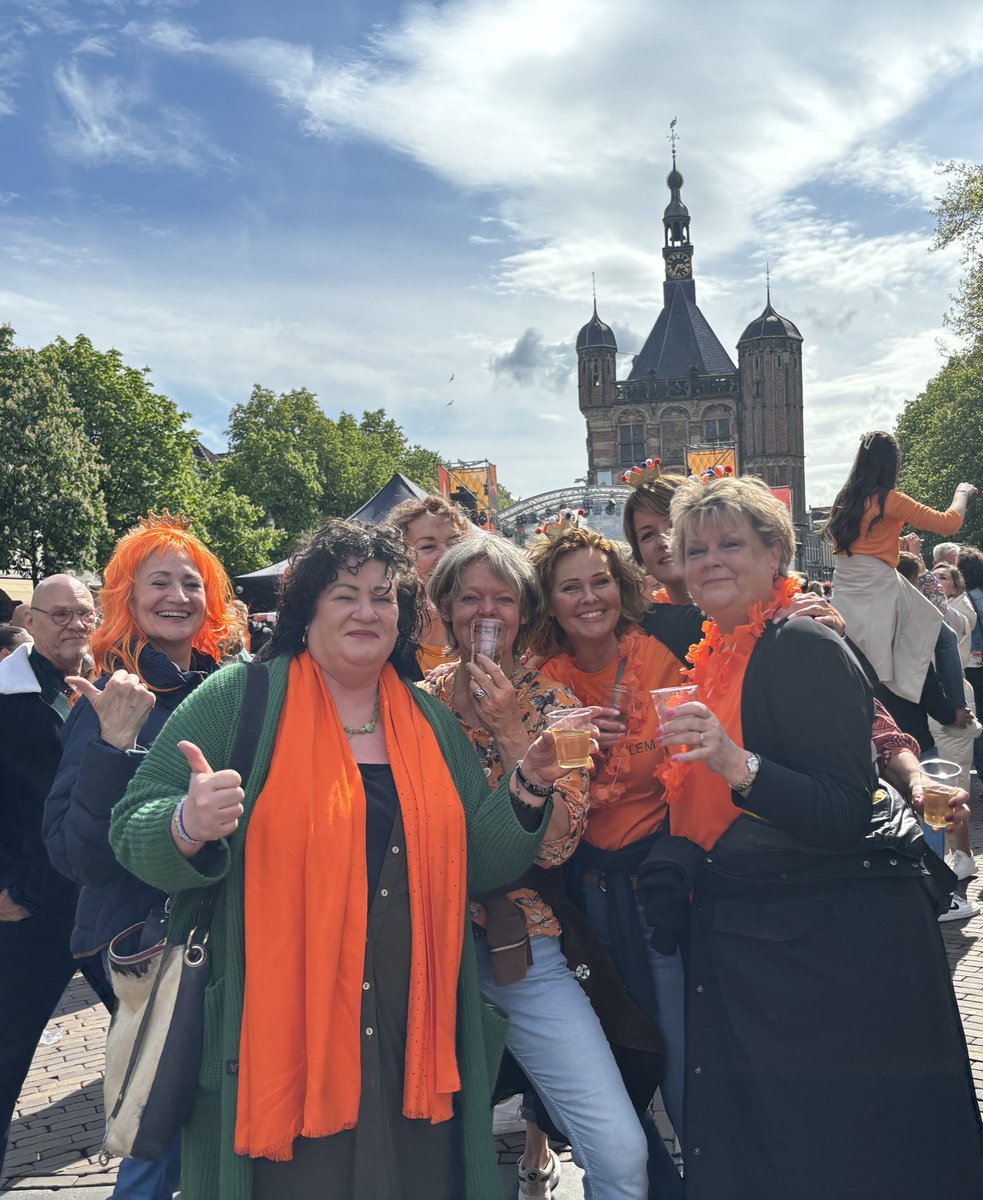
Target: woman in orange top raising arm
x,y
892,622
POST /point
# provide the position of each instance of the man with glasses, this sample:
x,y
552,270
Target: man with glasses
x,y
37,905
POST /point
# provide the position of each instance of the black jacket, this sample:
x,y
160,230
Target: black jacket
x,y
820,1011
91,777
29,753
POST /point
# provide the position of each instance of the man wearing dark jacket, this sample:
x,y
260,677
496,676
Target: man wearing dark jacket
x,y
37,905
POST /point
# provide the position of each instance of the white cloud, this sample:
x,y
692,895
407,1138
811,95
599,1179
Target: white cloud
x,y
105,125
802,145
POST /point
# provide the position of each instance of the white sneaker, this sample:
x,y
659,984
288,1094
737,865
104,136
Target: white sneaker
x,y
962,865
960,909
539,1183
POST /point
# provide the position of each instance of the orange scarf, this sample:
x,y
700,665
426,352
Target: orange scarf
x,y
701,807
305,922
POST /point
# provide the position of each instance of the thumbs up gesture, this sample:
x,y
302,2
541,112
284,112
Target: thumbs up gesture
x,y
122,706
214,804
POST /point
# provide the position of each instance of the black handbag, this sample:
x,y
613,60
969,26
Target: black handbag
x,y
154,1044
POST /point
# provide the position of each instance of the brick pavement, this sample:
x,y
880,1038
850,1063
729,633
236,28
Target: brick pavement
x,y
57,1128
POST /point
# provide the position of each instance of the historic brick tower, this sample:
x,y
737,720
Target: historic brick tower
x,y
682,390
684,393
770,436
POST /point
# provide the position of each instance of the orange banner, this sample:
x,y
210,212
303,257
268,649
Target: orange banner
x,y
702,460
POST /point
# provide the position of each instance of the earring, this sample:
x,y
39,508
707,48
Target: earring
x,y
304,640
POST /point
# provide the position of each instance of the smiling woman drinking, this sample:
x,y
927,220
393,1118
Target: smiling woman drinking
x,y
820,1011
590,629
346,1048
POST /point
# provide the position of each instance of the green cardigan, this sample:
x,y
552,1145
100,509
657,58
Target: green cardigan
x,y
499,850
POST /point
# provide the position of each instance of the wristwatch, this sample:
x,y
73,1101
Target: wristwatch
x,y
753,767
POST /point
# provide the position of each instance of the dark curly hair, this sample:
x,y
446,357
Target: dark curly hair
x,y
344,545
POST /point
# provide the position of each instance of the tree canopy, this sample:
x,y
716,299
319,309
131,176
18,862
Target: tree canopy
x,y
959,221
52,510
941,437
90,446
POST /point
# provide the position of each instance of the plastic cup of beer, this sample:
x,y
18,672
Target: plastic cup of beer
x,y
572,729
939,784
666,699
621,700
488,637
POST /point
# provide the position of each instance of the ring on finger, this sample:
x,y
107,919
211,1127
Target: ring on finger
x,y
479,693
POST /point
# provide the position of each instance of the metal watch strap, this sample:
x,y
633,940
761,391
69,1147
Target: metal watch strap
x,y
751,776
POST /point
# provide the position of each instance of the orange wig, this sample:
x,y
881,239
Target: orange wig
x,y
118,641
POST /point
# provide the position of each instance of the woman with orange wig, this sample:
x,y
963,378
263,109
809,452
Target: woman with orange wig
x,y
167,612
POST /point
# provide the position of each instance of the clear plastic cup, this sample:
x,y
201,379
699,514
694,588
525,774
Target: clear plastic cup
x,y
572,729
938,778
488,637
667,699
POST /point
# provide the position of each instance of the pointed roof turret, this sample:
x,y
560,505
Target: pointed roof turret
x,y
595,334
770,324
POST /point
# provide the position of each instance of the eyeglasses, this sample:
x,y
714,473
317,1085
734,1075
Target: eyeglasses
x,y
63,616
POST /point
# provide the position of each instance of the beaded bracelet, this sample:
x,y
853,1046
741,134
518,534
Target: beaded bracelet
x,y
179,825
532,788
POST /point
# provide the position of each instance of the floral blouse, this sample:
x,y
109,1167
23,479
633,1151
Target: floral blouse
x,y
536,696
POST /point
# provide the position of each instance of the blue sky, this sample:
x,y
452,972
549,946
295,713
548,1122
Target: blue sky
x,y
367,199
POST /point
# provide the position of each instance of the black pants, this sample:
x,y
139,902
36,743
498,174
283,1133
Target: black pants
x,y
35,968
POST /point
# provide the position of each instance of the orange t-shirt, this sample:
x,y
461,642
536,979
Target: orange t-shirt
x,y
627,801
899,509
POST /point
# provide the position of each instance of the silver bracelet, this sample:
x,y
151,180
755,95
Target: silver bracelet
x,y
179,825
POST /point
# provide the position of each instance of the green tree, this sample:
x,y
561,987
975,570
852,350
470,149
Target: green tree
x,y
278,451
52,512
941,437
364,457
959,220
138,433
232,526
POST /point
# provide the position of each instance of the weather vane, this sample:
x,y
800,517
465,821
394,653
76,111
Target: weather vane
x,y
672,137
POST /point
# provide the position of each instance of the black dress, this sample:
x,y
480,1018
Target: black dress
x,y
825,1053
386,1156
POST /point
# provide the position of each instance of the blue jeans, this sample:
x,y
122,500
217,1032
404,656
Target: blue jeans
x,y
667,976
555,1037
137,1179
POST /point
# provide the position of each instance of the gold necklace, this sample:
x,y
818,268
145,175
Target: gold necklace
x,y
370,724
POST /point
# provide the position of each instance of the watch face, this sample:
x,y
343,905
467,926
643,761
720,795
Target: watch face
x,y
678,265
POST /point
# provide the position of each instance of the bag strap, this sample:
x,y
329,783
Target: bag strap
x,y
252,714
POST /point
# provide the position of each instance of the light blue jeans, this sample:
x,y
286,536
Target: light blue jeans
x,y
555,1037
667,976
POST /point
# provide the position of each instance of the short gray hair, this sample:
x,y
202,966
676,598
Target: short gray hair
x,y
947,548
506,562
747,496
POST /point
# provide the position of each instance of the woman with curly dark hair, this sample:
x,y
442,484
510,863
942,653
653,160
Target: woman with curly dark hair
x,y
347,1051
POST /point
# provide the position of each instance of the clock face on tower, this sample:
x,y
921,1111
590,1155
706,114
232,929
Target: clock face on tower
x,y
678,265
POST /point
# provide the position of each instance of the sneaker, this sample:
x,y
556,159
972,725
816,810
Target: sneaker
x,y
962,865
960,909
539,1184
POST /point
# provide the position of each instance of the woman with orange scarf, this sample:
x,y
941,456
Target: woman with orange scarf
x,y
819,1007
347,1052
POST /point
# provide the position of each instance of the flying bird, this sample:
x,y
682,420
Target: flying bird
x,y
451,380
448,404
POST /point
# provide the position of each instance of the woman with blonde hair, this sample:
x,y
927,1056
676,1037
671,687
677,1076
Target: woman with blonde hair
x,y
814,951
590,631
167,613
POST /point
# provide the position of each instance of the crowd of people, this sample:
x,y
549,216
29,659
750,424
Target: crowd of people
x,y
421,902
